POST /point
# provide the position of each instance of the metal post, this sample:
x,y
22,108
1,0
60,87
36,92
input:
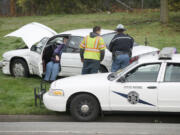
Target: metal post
x,y
142,4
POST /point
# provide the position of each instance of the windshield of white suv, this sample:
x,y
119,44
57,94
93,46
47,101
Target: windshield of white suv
x,y
114,75
107,38
39,45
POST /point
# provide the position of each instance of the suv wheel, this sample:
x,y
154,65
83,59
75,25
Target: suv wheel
x,y
19,68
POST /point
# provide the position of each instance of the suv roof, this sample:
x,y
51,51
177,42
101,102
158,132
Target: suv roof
x,y
85,32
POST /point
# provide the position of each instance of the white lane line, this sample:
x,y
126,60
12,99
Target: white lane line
x,y
47,132
80,132
52,132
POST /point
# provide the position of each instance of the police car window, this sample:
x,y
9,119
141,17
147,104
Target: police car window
x,y
172,73
143,73
117,74
73,44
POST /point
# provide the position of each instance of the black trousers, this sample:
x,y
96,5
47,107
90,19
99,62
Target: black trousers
x,y
90,66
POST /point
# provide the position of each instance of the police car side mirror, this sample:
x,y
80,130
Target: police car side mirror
x,y
122,79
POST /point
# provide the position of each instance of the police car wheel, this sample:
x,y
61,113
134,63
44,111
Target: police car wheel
x,y
84,107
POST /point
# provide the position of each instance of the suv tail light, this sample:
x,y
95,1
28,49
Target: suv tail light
x,y
133,59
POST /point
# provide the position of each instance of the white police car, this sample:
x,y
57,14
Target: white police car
x,y
152,83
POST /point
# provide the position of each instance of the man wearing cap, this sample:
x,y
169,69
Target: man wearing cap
x,y
121,46
53,67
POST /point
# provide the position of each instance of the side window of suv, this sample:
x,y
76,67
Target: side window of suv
x,y
172,73
73,44
144,73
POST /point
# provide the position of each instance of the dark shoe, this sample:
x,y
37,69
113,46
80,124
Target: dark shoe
x,y
46,81
50,81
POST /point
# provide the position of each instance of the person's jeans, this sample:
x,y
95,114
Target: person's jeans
x,y
52,70
90,66
120,62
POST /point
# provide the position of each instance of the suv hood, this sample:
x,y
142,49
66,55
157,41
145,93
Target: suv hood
x,y
20,52
32,33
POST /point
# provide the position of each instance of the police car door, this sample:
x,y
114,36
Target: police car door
x,y
169,89
138,90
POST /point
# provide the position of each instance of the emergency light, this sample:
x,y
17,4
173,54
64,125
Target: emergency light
x,y
167,52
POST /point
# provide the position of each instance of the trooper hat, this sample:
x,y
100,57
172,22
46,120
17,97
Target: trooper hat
x,y
120,27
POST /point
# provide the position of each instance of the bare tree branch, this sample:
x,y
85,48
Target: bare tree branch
x,y
125,5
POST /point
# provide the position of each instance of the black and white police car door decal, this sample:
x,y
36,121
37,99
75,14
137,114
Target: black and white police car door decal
x,y
133,97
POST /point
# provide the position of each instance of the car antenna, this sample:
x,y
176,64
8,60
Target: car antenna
x,y
146,41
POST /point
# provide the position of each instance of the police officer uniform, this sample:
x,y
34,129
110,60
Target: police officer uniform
x,y
121,46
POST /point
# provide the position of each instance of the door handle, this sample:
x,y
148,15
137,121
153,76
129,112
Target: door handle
x,y
151,87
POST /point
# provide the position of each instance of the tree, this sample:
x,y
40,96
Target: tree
x,y
12,7
164,11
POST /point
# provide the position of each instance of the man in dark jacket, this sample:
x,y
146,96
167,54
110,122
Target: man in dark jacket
x,y
121,46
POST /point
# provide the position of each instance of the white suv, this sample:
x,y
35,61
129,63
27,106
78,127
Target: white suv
x,y
40,40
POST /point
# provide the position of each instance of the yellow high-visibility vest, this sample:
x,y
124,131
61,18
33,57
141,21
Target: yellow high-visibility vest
x,y
92,47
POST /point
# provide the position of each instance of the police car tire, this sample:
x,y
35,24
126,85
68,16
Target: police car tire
x,y
77,103
23,63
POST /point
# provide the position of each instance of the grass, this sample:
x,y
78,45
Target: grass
x,y
17,97
16,94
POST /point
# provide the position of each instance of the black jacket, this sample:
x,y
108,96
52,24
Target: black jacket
x,y
121,42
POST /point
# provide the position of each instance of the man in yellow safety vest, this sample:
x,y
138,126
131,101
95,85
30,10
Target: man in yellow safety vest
x,y
92,51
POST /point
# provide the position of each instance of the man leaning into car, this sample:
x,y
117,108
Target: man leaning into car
x,y
53,67
92,50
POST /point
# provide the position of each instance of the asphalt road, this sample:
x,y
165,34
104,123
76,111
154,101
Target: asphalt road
x,y
92,128
109,117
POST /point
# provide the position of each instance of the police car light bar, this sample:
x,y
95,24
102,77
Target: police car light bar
x,y
167,52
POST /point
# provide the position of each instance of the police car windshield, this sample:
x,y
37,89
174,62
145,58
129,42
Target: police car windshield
x,y
120,72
